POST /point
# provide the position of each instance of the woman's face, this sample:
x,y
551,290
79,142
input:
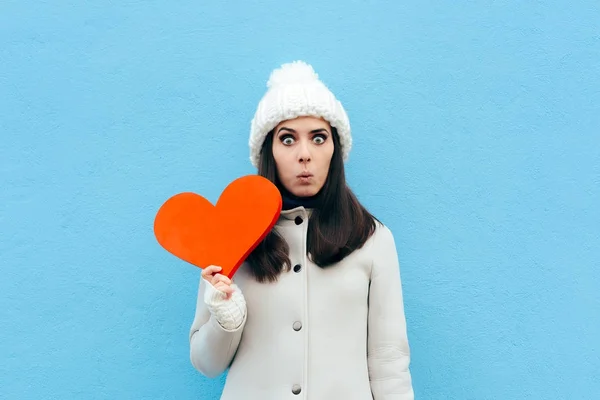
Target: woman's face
x,y
302,149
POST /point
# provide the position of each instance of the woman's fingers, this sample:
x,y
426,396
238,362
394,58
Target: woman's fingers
x,y
220,278
225,288
211,274
209,271
219,281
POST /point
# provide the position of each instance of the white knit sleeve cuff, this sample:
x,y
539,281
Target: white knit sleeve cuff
x,y
230,313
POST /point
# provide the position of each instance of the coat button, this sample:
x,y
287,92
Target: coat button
x,y
297,268
298,220
297,325
296,389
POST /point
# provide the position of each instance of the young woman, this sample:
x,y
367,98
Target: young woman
x,y
316,311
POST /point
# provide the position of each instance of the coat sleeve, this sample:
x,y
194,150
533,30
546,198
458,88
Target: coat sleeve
x,y
212,347
387,348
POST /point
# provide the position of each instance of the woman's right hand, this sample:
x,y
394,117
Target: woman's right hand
x,y
219,281
223,298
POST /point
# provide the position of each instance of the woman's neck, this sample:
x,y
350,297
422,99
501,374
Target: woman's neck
x,y
291,201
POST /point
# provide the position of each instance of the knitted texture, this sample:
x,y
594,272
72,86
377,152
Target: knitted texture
x,y
294,90
230,312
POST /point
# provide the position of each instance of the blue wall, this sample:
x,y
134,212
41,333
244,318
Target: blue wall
x,y
477,140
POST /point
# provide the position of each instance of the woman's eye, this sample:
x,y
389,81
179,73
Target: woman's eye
x,y
319,139
287,140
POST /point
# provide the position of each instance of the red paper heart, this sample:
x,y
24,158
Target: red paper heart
x,y
191,228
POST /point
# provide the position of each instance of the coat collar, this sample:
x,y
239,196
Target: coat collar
x,y
292,214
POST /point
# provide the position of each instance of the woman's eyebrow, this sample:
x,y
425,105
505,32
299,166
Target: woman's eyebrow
x,y
283,128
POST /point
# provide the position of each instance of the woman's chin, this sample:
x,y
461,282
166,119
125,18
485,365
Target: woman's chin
x,y
305,191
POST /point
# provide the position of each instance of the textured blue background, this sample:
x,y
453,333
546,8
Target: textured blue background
x,y
477,140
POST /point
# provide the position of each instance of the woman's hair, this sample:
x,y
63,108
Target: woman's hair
x,y
338,225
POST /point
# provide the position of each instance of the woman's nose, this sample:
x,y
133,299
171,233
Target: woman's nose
x,y
303,153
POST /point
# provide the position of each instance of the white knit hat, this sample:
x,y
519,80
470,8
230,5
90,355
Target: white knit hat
x,y
294,90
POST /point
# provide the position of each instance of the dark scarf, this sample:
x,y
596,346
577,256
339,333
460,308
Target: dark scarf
x,y
290,201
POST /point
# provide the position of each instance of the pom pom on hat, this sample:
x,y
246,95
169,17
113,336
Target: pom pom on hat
x,y
294,90
297,72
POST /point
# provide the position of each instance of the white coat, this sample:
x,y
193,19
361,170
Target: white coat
x,y
316,334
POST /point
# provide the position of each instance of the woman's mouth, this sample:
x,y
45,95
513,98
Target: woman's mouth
x,y
305,177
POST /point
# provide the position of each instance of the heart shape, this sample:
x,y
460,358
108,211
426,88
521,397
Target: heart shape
x,y
194,230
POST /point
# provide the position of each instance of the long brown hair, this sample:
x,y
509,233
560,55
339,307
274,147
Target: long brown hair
x,y
338,226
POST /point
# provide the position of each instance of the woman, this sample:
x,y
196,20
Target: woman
x,y
316,311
